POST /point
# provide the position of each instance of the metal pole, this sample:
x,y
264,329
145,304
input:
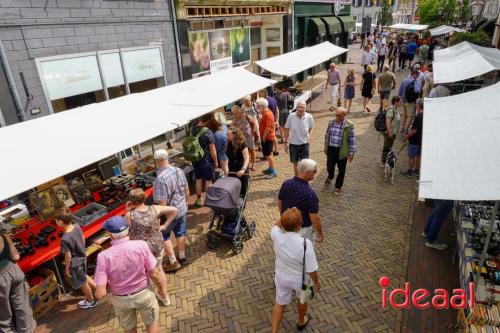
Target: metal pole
x,y
103,79
173,14
487,242
125,78
12,84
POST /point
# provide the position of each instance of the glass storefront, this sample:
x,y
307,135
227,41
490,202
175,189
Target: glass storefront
x,y
80,79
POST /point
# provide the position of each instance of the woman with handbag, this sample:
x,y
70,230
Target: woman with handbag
x,y
295,257
15,314
144,222
247,125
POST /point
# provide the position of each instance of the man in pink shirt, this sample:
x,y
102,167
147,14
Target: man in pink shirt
x,y
126,268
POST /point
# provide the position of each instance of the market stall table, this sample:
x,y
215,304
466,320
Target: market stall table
x,y
304,97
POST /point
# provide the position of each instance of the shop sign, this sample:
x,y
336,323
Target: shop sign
x,y
112,69
142,64
71,76
217,50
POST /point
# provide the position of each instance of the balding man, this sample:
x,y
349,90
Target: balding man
x,y
298,132
333,80
340,147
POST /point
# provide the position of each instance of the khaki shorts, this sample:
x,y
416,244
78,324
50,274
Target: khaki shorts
x,y
408,109
126,306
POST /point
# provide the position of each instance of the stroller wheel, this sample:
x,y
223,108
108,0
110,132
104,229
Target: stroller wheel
x,y
237,247
252,229
212,242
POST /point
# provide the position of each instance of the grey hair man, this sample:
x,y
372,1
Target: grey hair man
x,y
298,133
296,192
171,188
126,268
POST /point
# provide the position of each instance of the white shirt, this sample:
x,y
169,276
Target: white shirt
x,y
298,128
382,51
289,251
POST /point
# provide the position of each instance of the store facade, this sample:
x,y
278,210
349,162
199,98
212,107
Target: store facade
x,y
217,35
319,21
67,54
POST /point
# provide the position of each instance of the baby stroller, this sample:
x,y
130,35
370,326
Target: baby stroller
x,y
227,197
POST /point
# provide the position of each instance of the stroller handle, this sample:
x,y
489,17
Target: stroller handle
x,y
235,174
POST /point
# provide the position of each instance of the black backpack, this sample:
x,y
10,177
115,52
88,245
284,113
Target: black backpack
x,y
379,122
410,94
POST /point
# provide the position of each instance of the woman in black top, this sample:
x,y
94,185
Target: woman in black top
x,y
368,86
237,152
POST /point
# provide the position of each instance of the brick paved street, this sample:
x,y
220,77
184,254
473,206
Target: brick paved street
x,y
366,236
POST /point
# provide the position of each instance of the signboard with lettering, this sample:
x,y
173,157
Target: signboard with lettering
x,y
142,64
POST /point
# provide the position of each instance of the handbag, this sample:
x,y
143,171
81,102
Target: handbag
x,y
307,291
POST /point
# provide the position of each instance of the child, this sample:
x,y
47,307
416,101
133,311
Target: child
x,y
75,260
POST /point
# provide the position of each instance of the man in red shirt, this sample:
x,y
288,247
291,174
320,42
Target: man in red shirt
x,y
267,135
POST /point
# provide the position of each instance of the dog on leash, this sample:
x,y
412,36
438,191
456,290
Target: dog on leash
x,y
390,165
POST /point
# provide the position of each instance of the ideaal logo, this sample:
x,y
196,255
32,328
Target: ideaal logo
x,y
420,298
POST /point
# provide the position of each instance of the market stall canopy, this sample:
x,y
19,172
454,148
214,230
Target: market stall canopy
x,y
405,26
464,61
294,62
460,148
444,30
43,149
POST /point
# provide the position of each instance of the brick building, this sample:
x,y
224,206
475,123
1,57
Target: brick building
x,y
68,53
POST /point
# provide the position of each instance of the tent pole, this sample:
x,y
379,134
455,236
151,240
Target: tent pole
x,y
487,242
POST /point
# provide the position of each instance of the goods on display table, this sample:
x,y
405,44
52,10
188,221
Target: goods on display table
x,y
472,224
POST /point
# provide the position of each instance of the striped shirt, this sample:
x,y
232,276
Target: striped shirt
x,y
336,136
168,180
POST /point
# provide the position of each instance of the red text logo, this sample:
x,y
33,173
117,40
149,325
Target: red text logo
x,y
421,298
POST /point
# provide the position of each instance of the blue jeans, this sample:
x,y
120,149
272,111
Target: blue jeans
x,y
442,208
178,226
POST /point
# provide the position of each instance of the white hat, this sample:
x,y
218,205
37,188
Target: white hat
x,y
161,155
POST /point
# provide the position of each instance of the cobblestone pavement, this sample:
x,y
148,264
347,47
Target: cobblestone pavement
x,y
366,236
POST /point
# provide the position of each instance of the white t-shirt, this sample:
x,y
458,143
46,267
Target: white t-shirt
x,y
298,128
289,251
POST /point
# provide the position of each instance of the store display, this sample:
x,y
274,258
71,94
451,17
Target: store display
x,y
109,168
82,194
93,180
63,194
14,215
45,202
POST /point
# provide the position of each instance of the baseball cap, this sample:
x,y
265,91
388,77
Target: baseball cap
x,y
115,224
161,155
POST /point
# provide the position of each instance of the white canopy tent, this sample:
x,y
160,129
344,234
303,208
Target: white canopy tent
x,y
464,61
43,149
299,60
444,30
405,26
460,147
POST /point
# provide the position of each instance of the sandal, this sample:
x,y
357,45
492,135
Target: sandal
x,y
252,168
303,326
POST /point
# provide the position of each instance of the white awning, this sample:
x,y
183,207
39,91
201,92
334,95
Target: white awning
x,y
405,26
464,61
444,30
460,148
39,150
299,60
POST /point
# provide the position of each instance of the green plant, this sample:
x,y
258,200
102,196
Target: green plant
x,y
386,17
479,37
437,12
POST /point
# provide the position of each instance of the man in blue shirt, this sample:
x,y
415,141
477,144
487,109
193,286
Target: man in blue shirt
x,y
408,109
296,192
412,48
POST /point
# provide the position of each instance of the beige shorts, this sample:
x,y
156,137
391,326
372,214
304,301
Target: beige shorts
x,y
126,306
408,109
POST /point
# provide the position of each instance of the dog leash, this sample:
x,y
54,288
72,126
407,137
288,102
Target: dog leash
x,y
402,147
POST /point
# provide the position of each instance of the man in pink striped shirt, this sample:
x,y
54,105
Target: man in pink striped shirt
x,y
126,268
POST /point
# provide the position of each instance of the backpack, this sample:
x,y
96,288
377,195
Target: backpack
x,y
404,48
379,122
410,94
192,150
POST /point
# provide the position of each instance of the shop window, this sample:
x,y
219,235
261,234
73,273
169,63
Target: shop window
x,y
142,86
71,102
255,36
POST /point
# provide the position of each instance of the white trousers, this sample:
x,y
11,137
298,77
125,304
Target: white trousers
x,y
335,94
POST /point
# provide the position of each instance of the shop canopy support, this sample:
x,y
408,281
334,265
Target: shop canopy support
x,y
487,241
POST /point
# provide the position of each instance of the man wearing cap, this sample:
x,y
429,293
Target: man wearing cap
x,y
171,188
126,268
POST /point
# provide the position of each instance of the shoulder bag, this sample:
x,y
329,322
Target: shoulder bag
x,y
307,292
163,218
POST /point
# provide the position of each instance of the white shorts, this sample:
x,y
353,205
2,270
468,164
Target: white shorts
x,y
284,288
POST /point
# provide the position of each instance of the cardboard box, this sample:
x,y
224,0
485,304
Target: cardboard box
x,y
45,287
46,303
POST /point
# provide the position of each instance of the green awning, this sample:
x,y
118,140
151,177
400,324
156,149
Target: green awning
x,y
333,25
320,25
349,23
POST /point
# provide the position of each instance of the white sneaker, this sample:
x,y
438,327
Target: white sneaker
x,y
84,304
424,234
436,245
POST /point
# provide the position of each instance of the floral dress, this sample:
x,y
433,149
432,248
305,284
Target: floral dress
x,y
146,226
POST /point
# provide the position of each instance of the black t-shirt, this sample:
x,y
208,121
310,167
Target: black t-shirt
x,y
235,156
417,125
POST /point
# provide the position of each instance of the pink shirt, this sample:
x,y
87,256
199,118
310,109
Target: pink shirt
x,y
124,266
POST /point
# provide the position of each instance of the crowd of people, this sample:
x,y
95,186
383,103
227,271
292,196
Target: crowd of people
x,y
141,240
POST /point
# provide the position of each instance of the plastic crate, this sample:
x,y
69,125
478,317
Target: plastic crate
x,y
89,214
